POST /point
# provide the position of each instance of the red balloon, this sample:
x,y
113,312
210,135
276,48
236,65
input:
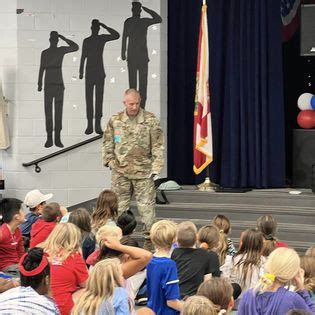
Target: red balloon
x,y
306,119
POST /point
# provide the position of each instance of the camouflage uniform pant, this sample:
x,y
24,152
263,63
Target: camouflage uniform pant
x,y
144,191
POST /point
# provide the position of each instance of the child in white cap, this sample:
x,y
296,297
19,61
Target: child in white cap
x,y
35,201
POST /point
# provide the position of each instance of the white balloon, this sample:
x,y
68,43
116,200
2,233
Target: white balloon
x,y
304,101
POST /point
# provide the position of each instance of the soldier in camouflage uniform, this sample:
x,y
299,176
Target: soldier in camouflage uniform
x,y
133,148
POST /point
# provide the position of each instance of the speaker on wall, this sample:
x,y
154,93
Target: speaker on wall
x,y
303,157
307,30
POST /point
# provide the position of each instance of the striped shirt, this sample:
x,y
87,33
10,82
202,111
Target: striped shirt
x,y
25,300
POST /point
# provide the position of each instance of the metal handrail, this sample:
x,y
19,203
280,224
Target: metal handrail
x,y
49,156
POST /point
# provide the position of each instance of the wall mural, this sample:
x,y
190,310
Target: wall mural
x,y
51,63
133,49
92,52
135,31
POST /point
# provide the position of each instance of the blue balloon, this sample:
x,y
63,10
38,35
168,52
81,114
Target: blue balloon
x,y
313,102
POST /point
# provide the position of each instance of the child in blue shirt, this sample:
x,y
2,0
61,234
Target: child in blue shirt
x,y
162,279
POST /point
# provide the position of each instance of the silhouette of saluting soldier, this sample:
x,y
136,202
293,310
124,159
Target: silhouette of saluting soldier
x,y
51,64
135,31
92,52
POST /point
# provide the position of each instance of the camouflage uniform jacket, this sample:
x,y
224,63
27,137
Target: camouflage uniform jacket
x,y
134,148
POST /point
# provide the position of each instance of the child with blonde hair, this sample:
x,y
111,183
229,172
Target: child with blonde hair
x,y
104,292
162,279
193,264
105,232
308,265
132,259
106,210
198,305
224,225
68,268
271,295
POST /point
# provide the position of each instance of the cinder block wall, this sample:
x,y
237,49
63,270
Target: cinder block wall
x,y
78,175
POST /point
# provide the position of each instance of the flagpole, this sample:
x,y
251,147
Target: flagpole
x,y
207,185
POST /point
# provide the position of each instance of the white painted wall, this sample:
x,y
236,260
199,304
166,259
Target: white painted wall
x,y
79,175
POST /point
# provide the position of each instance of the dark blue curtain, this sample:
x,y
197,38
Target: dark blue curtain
x,y
245,87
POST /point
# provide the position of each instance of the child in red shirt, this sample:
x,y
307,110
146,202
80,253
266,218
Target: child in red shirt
x,y
11,243
67,267
45,224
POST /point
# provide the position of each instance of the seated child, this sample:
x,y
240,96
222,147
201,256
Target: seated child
x,y
193,264
32,297
127,222
106,210
271,295
248,264
11,242
104,293
82,219
308,265
35,201
267,225
224,225
42,228
68,269
220,292
213,240
162,279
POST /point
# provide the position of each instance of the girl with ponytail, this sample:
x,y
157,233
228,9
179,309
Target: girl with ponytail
x,y
267,225
271,295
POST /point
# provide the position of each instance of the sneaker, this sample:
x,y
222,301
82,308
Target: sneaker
x,y
141,300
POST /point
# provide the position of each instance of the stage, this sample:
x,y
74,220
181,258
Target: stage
x,y
295,214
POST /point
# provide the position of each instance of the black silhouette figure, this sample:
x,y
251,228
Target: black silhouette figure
x,y
135,30
51,63
92,51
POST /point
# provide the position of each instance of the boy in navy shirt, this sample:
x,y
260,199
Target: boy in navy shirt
x,y
162,280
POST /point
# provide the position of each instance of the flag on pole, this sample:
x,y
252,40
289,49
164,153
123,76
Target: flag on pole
x,y
202,114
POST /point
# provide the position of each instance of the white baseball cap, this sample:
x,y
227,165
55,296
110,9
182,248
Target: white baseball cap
x,y
34,197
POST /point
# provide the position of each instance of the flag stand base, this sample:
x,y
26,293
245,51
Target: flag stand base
x,y
207,185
